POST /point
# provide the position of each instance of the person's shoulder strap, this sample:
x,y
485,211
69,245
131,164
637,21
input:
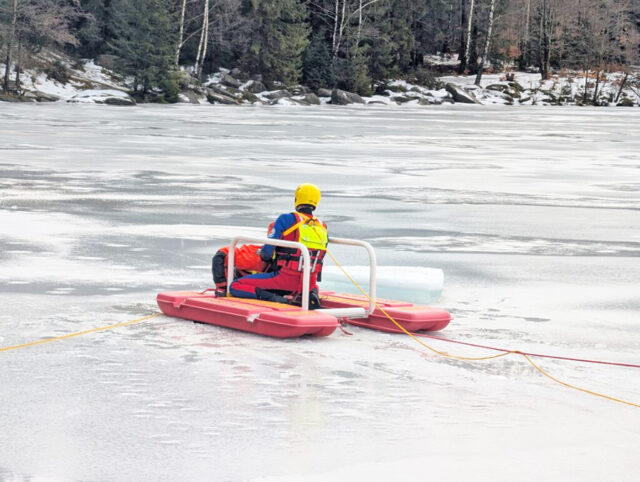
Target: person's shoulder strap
x,y
301,218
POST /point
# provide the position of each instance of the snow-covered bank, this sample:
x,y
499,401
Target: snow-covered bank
x,y
91,83
78,82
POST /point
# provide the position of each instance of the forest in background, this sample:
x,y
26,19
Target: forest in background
x,y
349,44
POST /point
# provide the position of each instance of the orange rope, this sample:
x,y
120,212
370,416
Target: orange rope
x,y
78,333
461,358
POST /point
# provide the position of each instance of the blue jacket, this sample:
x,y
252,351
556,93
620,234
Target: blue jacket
x,y
284,222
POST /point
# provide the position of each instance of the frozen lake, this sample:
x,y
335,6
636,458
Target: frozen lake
x,y
533,214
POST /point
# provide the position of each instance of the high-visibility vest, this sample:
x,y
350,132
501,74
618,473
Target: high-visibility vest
x,y
309,231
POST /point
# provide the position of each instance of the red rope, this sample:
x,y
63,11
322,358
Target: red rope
x,y
538,355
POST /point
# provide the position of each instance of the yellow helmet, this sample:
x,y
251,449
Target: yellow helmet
x,y
307,194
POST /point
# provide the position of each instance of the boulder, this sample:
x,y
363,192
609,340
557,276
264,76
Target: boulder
x,y
301,90
311,99
119,101
502,95
396,88
255,86
515,86
42,97
102,96
228,91
401,99
505,89
497,87
188,97
216,98
324,92
249,97
342,97
238,74
460,95
431,100
8,98
230,81
278,94
381,89
287,101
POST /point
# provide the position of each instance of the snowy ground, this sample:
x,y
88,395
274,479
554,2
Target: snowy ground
x,y
532,213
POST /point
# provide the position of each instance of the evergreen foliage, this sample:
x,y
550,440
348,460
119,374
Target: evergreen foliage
x,y
318,69
280,38
144,45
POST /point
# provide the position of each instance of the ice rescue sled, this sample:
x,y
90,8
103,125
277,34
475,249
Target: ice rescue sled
x,y
290,321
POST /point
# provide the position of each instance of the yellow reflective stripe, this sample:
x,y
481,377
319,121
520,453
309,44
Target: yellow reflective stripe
x,y
293,228
297,225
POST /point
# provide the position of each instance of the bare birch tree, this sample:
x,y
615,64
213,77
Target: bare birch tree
x,y
487,43
181,34
204,40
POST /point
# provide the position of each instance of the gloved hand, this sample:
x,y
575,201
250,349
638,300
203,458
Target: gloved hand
x,y
264,257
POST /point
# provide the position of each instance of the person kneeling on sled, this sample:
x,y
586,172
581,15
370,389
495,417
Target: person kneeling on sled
x,y
247,261
300,226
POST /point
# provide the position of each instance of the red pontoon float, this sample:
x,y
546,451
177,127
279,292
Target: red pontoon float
x,y
289,321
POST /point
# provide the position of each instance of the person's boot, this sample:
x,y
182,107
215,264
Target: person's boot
x,y
269,296
314,299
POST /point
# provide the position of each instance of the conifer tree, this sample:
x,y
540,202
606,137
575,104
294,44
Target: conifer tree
x,y
318,69
281,35
145,49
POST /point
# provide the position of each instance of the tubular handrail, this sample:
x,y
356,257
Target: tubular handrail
x,y
306,262
372,265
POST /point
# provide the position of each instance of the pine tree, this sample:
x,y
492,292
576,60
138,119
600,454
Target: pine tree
x,y
145,49
280,38
99,29
318,69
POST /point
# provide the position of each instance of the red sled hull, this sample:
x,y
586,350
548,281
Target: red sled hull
x,y
287,321
410,317
254,316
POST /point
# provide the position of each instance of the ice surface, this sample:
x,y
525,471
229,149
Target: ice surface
x,y
533,214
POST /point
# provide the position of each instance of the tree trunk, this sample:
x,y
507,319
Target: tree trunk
x,y
469,24
596,92
18,62
179,47
343,24
462,66
524,46
624,81
203,35
205,46
12,33
334,38
487,43
545,39
357,44
586,86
